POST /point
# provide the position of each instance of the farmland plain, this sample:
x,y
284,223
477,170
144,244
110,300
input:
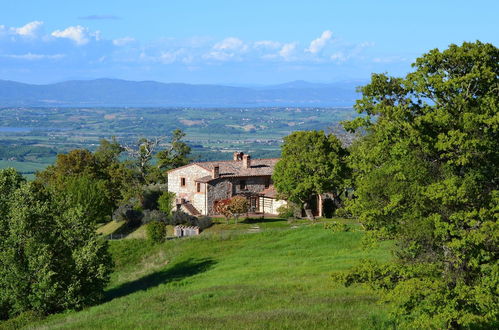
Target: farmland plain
x,y
30,138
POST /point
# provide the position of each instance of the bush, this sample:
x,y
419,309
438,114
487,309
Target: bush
x,y
156,231
127,213
285,211
182,218
336,226
204,222
165,202
153,215
343,212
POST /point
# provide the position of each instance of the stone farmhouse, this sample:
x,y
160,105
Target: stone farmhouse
x,y
199,186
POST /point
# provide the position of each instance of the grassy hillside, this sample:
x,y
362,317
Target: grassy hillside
x,y
276,278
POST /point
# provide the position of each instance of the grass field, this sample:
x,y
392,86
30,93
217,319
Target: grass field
x,y
279,277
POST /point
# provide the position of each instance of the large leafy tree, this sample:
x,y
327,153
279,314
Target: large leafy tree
x,y
312,163
426,174
51,258
102,170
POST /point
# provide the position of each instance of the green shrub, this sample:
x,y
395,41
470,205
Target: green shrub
x,y
153,215
343,212
285,211
336,226
204,222
156,231
21,321
165,202
182,218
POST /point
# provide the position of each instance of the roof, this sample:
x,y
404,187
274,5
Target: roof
x,y
270,192
235,168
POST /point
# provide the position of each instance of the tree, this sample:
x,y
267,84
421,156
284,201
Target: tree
x,y
115,179
108,152
10,180
312,163
177,153
166,202
87,193
238,205
75,162
142,154
51,258
426,175
222,207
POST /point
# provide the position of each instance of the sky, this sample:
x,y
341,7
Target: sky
x,y
238,42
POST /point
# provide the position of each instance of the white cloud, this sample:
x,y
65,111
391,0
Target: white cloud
x,y
317,44
219,56
287,50
33,57
168,57
229,48
78,34
28,30
123,41
348,52
231,43
267,44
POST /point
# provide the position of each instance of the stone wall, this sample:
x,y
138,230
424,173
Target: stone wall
x,y
189,191
217,190
224,188
254,184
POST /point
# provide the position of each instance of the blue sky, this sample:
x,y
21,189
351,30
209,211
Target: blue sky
x,y
231,42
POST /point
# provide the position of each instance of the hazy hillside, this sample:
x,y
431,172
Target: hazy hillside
x,y
114,92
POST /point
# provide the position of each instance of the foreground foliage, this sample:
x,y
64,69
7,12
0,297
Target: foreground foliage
x,y
426,173
51,258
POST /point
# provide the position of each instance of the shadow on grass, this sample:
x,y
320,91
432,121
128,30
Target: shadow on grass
x,y
259,220
127,229
178,272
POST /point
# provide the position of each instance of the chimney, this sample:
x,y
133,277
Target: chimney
x,y
238,156
216,172
246,161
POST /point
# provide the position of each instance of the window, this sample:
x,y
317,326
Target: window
x,y
267,182
182,182
198,187
242,184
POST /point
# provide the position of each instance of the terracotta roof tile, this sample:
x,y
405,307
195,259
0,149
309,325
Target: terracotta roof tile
x,y
235,168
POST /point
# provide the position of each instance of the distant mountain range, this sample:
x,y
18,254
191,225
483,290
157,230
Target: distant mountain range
x,y
123,93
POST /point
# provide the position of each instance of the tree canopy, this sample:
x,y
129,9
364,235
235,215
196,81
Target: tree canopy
x,y
312,163
51,258
426,174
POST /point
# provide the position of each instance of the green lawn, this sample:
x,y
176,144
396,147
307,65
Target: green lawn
x,y
279,277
